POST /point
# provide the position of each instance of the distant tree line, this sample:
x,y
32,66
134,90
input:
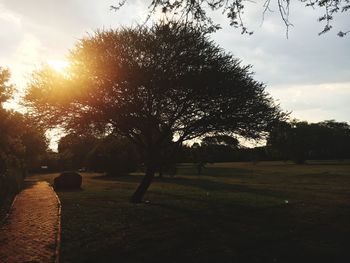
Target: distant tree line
x,y
300,141
296,141
112,154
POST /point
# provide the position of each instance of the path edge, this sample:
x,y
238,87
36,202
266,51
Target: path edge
x,y
58,234
4,220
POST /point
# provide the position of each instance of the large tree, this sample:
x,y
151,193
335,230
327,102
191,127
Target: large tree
x,y
21,141
153,85
201,11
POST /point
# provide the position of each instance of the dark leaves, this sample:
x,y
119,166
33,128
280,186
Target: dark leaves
x,y
149,84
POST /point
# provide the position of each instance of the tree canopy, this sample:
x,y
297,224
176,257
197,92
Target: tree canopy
x,y
199,11
157,86
21,141
5,87
73,150
300,140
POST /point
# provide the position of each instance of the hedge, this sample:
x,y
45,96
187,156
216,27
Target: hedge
x,y
11,182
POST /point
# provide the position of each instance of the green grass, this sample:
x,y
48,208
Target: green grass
x,y
234,212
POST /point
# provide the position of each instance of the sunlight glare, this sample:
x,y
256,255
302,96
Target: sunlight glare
x,y
58,65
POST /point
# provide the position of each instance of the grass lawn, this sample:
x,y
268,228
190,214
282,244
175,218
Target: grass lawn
x,y
234,212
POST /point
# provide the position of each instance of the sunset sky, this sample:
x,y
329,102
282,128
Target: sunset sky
x,y
307,74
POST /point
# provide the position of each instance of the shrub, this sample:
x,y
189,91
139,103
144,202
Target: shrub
x,y
11,182
68,180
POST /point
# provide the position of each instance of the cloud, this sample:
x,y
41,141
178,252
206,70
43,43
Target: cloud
x,y
9,17
303,58
308,74
314,102
11,31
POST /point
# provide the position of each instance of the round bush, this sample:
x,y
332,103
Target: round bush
x,y
68,180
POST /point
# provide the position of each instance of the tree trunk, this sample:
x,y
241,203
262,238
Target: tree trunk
x,y
145,183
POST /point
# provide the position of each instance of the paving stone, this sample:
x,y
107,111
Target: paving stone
x,y
30,232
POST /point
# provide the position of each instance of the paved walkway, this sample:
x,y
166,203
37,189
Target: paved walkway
x,y
31,231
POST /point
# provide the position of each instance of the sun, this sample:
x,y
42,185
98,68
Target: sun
x,y
58,65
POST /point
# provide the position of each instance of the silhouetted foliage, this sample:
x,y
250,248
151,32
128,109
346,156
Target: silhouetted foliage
x,y
74,149
198,156
300,141
114,155
213,149
21,140
150,85
50,162
21,144
217,149
5,87
199,11
223,140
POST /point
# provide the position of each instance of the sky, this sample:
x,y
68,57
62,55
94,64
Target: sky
x,y
306,74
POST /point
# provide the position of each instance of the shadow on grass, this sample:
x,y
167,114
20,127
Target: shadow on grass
x,y
327,162
219,172
215,171
122,178
211,186
62,190
206,185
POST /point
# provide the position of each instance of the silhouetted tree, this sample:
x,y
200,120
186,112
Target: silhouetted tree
x,y
197,10
49,162
21,140
74,150
300,141
33,139
199,157
169,157
219,148
6,88
152,84
279,142
224,140
334,141
5,91
114,155
21,143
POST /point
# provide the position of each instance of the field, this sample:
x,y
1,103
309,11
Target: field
x,y
234,212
